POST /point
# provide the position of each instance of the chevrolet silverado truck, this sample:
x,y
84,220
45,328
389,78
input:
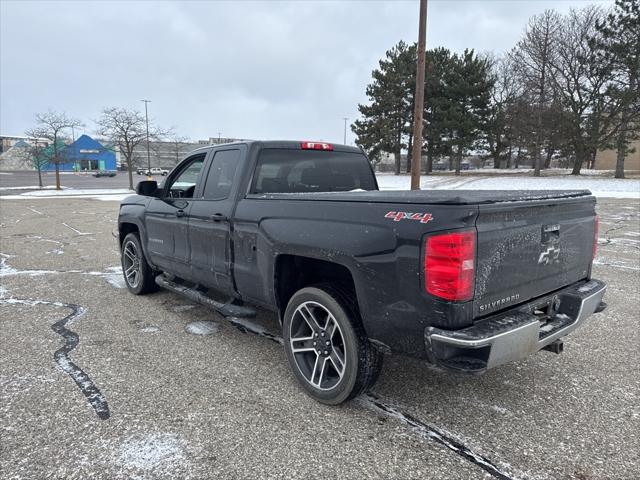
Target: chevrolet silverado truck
x,y
467,280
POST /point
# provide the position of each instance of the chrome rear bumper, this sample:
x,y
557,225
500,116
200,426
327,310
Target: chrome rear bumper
x,y
516,333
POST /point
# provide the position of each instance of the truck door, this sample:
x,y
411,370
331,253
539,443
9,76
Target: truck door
x,y
210,222
166,218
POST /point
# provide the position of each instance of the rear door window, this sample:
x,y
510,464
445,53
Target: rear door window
x,y
221,174
294,171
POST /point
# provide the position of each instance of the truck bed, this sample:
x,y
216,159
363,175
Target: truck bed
x,y
431,197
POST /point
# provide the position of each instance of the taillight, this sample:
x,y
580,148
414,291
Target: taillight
x,y
316,146
595,240
449,265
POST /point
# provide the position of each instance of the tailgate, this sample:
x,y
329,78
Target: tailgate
x,y
528,249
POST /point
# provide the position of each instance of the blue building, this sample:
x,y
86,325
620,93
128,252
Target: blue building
x,y
85,154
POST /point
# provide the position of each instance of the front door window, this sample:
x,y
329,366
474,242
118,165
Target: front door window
x,y
184,185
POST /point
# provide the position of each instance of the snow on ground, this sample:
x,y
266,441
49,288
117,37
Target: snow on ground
x,y
152,451
105,194
74,192
600,187
547,171
33,187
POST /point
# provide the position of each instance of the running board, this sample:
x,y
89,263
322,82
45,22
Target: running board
x,y
229,309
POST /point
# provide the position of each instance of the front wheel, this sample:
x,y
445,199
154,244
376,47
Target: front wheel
x,y
138,275
326,345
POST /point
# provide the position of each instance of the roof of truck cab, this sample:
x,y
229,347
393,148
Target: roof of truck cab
x,y
284,144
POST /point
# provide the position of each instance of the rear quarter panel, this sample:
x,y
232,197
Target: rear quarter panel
x,y
383,256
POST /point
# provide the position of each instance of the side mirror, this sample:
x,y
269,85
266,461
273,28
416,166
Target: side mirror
x,y
147,188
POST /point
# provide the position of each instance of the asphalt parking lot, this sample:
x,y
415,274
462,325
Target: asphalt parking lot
x,y
98,383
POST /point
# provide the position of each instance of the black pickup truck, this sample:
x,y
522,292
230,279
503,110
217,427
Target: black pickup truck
x,y
467,280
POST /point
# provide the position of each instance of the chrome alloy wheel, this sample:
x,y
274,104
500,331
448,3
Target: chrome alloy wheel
x,y
131,264
317,345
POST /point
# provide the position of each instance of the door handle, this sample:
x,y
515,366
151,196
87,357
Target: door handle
x,y
179,213
218,217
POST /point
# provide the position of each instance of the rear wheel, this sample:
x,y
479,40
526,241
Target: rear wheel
x,y
138,275
326,345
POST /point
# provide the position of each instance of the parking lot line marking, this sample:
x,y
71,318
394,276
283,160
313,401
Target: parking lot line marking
x,y
35,211
77,231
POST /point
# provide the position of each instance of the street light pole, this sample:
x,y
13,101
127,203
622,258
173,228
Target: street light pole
x,y
345,130
416,156
146,116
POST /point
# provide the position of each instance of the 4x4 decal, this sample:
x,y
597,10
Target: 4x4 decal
x,y
421,217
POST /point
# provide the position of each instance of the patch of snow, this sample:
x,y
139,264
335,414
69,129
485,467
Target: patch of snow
x,y
183,308
73,192
112,275
150,329
6,269
115,280
33,187
152,451
202,328
498,409
587,287
104,194
547,327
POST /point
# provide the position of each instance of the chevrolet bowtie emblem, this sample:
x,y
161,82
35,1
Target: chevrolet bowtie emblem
x,y
550,255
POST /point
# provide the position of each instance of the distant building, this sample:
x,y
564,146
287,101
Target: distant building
x,y
15,154
85,154
7,142
606,159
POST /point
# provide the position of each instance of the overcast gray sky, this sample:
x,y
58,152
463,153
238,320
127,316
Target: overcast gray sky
x,y
246,69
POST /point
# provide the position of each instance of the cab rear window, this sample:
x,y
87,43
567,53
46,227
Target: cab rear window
x,y
299,171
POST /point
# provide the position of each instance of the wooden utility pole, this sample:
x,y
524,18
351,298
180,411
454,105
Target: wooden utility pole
x,y
416,156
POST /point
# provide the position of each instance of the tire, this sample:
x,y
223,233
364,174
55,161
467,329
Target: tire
x,y
141,279
326,345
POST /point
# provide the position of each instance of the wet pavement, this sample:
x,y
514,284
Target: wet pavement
x,y
98,383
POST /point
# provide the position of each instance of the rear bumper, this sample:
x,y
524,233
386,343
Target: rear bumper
x,y
516,333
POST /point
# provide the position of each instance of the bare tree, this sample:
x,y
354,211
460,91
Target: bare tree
x,y
126,129
534,55
582,82
51,126
500,124
37,157
178,144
